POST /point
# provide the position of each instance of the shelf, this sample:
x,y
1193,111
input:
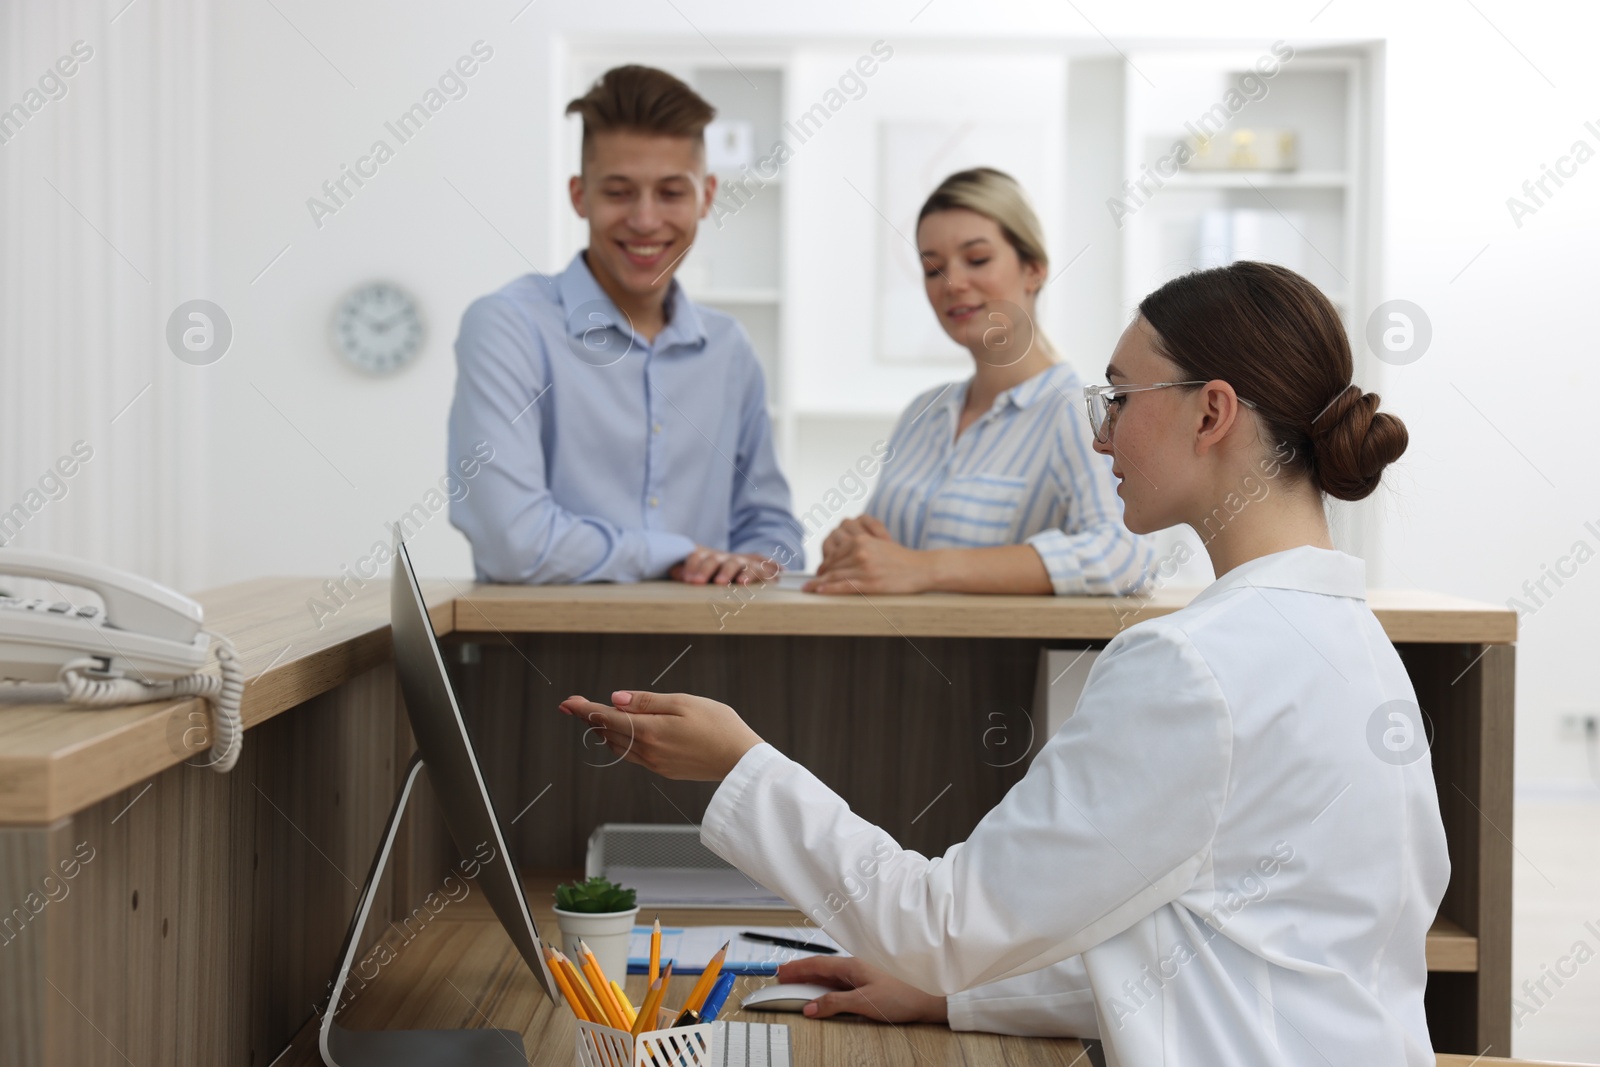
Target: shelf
x,y
725,176
737,296
868,416
1244,179
1450,948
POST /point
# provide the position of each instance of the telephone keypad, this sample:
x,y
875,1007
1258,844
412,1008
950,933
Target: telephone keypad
x,y
90,612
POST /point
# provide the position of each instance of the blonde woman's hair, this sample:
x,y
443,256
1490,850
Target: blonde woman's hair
x,y
995,195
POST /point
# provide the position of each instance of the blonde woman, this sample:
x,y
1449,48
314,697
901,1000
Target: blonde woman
x,y
993,485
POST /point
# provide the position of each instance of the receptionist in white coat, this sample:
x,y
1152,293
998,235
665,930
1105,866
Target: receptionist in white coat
x,y
1231,852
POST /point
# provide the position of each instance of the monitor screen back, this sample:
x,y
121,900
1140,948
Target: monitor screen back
x,y
452,763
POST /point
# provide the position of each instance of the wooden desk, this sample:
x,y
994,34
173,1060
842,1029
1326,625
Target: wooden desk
x,y
205,925
462,971
895,701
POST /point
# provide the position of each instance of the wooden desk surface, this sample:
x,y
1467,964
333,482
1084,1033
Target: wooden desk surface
x,y
56,759
670,607
461,971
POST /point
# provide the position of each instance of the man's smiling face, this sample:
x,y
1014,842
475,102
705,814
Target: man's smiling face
x,y
644,196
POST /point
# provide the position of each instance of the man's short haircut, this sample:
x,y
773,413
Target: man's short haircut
x,y
642,100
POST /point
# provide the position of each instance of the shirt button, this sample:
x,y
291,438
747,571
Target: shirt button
x,y
655,502
656,428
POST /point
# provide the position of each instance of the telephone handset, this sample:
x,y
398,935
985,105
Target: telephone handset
x,y
146,643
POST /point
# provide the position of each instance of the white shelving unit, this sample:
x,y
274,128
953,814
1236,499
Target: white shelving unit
x,y
1317,211
1259,180
793,259
754,297
1314,219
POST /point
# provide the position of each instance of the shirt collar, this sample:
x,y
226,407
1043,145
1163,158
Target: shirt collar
x,y
578,288
1306,568
1040,385
1019,396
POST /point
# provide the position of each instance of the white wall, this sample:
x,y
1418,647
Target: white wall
x,y
1500,478
460,210
103,230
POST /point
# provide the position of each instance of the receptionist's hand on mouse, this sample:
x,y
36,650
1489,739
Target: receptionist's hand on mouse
x,y
863,990
673,734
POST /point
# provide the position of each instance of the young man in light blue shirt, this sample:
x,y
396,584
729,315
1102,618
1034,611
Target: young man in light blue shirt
x,y
629,426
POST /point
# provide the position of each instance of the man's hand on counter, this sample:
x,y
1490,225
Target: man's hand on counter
x,y
710,566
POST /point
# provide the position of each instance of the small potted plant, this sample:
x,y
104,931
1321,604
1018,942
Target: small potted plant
x,y
600,913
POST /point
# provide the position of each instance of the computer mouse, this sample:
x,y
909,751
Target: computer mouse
x,y
784,997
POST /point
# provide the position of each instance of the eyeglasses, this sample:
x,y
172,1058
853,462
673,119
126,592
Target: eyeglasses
x,y
1101,401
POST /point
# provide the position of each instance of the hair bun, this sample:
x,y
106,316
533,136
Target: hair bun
x,y
1352,442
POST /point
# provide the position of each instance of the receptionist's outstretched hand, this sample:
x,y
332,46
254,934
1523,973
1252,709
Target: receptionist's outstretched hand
x,y
673,734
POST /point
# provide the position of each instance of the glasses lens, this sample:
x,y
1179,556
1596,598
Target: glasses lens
x,y
1097,414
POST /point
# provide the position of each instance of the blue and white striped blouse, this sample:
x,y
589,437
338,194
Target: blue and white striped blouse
x,y
1024,472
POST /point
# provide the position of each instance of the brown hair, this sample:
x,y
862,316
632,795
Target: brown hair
x,y
1278,341
643,100
995,195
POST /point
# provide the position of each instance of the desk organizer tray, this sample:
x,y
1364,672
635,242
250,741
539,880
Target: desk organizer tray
x,y
682,1046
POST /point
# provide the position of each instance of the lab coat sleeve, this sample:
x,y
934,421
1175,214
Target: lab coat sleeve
x,y
1056,1001
1113,820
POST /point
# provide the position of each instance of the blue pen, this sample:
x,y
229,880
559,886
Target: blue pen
x,y
717,997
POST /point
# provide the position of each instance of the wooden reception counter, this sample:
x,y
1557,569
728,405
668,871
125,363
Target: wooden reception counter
x,y
202,912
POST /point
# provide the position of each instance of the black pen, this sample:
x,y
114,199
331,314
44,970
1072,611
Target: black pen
x,y
786,942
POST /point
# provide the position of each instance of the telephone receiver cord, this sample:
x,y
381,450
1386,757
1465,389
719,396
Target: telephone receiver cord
x,y
225,695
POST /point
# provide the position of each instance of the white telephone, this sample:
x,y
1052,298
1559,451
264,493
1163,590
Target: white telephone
x,y
144,629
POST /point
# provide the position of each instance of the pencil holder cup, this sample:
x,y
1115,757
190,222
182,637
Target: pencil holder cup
x,y
668,1046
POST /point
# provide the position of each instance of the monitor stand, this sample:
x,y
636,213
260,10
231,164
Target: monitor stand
x,y
404,1048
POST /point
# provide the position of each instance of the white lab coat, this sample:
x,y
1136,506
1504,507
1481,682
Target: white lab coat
x,y
1207,864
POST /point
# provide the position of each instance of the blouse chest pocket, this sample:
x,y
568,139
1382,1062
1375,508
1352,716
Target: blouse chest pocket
x,y
974,511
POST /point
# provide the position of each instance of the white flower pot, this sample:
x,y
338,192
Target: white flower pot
x,y
606,933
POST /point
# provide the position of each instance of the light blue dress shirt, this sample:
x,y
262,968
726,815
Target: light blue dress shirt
x,y
613,456
1025,472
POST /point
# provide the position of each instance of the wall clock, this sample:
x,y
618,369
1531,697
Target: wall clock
x,y
378,328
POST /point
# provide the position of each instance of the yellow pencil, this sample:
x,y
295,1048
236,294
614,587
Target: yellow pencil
x,y
650,998
624,1003
610,1015
655,953
622,997
601,987
590,1005
590,1008
708,978
624,1021
565,986
647,1019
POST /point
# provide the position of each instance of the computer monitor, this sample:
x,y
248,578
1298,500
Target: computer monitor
x,y
444,747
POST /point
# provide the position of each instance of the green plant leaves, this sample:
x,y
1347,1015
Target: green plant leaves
x,y
596,896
